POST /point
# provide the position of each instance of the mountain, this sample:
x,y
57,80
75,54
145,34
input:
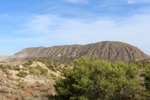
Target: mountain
x,y
106,50
4,57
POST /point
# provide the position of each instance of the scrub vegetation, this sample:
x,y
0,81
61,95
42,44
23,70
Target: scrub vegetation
x,y
85,79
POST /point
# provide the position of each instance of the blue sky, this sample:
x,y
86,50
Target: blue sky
x,y
32,23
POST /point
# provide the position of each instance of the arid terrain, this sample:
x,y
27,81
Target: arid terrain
x,y
37,84
21,79
107,50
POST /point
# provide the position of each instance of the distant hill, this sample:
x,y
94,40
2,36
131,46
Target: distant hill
x,y
107,50
4,57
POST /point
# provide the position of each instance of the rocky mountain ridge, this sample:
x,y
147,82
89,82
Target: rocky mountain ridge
x,y
106,50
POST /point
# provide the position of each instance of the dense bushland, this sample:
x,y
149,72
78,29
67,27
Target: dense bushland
x,y
93,79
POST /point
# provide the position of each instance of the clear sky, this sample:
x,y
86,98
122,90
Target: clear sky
x,y
32,23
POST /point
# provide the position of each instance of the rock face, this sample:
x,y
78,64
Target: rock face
x,y
107,50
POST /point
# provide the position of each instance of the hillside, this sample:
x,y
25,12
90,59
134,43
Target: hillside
x,y
36,80
3,57
107,50
29,80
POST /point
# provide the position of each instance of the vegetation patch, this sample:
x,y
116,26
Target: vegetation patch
x,y
22,74
93,79
27,64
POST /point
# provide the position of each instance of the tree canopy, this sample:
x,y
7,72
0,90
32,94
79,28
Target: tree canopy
x,y
94,79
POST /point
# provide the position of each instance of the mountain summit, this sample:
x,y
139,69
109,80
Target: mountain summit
x,y
107,50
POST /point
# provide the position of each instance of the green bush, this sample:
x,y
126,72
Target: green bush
x,y
53,75
7,73
3,66
46,61
42,70
147,77
9,66
17,68
92,79
27,64
51,67
34,72
22,74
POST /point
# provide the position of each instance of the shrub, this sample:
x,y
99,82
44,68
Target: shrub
x,y
22,84
51,67
22,74
66,66
17,68
34,72
56,65
46,61
37,95
92,79
27,64
7,73
29,98
147,76
42,70
5,89
9,66
53,75
3,66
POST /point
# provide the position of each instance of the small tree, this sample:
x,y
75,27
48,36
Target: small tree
x,y
92,79
147,76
